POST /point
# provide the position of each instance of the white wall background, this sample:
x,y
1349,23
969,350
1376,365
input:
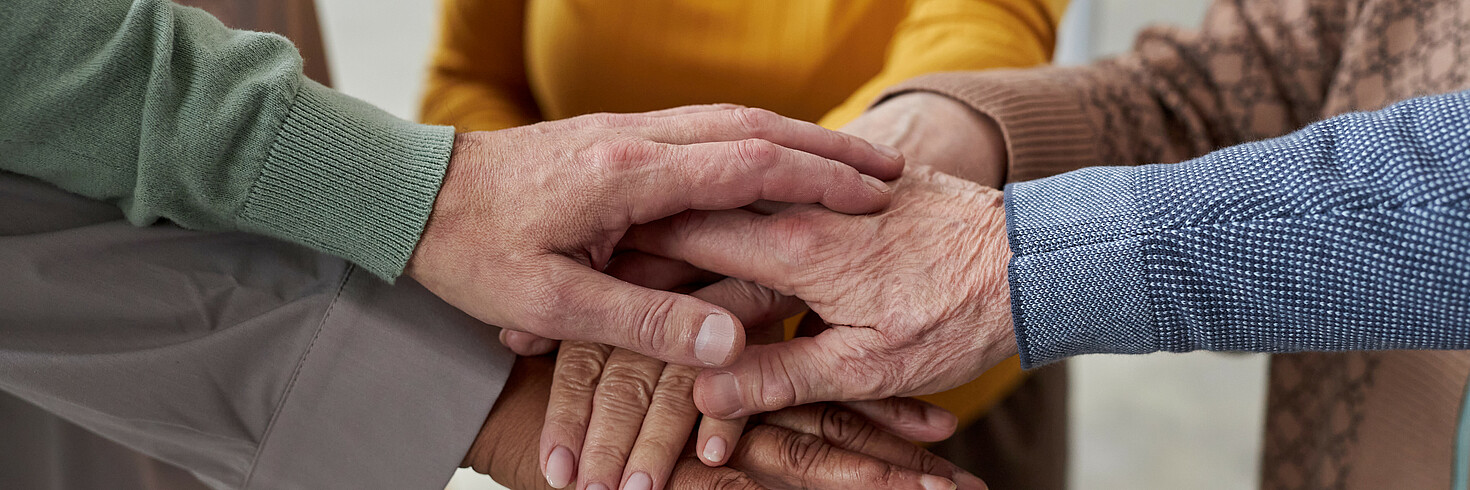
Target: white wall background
x,y
1138,422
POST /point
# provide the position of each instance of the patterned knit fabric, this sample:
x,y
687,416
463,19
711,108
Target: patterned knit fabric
x,y
1351,234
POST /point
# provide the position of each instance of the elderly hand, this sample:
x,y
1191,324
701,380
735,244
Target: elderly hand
x,y
916,296
938,131
527,217
626,417
817,447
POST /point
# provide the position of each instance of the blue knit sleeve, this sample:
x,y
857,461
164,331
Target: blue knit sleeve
x,y
1351,234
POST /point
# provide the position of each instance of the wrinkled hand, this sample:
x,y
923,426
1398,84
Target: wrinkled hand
x,y
916,296
527,216
931,129
621,419
817,447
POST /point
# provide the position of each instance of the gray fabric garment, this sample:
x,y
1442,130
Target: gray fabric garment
x,y
249,362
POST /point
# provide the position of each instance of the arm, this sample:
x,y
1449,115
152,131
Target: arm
x,y
1347,235
1256,69
162,110
250,362
950,35
477,79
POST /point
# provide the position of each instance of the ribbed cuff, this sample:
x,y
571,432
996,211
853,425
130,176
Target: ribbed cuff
x,y
350,180
1045,128
1077,269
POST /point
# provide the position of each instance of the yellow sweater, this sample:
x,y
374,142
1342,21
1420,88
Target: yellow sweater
x,y
505,63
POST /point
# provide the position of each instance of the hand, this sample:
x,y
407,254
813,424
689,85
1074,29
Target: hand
x,y
916,295
819,447
938,131
627,417
527,216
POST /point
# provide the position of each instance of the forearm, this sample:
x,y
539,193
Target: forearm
x,y
233,356
1177,95
170,115
1347,235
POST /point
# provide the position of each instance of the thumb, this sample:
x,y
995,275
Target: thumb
x,y
828,367
526,344
676,328
909,418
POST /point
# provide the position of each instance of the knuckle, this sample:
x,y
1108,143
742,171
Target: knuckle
x,y
658,447
650,330
754,121
756,153
580,375
735,481
843,427
620,154
801,453
883,475
626,390
596,456
566,421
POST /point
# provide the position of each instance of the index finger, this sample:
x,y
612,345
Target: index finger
x,y
735,243
739,123
728,175
779,457
840,364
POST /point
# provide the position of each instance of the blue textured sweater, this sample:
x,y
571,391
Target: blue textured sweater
x,y
1350,234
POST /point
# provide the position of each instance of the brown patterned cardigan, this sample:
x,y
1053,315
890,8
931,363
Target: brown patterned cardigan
x,y
1258,69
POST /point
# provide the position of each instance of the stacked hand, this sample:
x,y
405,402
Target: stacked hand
x,y
621,420
817,446
940,132
530,261
916,296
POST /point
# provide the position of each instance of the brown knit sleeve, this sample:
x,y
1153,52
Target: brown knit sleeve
x,y
1255,69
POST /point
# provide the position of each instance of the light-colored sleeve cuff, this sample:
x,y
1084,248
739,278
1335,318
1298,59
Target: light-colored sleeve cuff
x,y
1076,273
391,393
350,180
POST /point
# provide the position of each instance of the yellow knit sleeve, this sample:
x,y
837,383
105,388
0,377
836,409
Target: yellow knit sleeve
x,y
477,76
954,35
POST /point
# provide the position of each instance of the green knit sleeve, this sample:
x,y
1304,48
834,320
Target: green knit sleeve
x,y
172,116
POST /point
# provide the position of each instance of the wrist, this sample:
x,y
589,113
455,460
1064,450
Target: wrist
x,y
941,132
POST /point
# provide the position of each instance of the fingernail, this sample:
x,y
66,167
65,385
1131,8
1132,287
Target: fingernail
x,y
722,399
888,151
639,481
715,340
931,482
559,467
714,450
875,183
941,418
596,486
966,481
